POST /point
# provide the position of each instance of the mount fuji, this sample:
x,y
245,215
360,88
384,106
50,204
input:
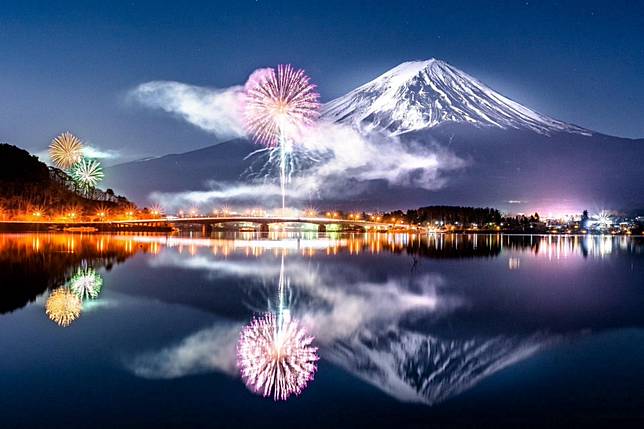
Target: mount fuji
x,y
419,95
517,159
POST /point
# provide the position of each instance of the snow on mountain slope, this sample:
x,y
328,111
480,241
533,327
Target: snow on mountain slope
x,y
418,95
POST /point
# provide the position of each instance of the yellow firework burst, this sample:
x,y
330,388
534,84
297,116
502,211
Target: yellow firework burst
x,y
66,150
63,307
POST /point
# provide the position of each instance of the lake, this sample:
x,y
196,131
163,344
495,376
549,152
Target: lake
x,y
362,330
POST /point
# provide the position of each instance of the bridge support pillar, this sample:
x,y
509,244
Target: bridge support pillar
x,y
263,228
206,229
321,228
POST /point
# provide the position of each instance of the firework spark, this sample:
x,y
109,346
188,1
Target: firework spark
x,y
603,219
276,360
63,307
278,107
279,104
86,284
87,173
66,150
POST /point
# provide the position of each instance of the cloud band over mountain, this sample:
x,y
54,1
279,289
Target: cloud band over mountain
x,y
337,155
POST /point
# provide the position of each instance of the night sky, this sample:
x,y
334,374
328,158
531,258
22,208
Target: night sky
x,y
70,65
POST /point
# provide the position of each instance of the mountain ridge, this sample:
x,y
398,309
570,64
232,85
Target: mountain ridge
x,y
520,155
419,95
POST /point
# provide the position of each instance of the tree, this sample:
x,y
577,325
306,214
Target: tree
x,y
584,219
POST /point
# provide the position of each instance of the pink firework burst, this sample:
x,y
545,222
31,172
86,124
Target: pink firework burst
x,y
276,360
279,104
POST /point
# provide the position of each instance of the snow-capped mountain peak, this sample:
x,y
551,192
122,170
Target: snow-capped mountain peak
x,y
419,95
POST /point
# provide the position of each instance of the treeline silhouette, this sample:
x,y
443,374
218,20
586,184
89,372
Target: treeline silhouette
x,y
448,215
27,184
30,264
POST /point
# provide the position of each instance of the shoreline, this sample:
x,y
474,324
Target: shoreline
x,y
84,227
100,227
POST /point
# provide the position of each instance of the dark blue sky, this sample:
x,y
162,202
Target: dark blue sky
x,y
69,65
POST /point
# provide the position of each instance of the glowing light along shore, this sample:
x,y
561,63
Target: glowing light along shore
x,y
278,107
276,359
66,150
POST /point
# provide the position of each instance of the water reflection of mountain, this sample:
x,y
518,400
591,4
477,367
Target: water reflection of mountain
x,y
413,367
32,263
420,336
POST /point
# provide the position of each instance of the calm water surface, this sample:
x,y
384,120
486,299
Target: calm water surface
x,y
411,331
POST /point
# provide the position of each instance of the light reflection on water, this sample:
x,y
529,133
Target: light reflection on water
x,y
422,318
439,245
549,246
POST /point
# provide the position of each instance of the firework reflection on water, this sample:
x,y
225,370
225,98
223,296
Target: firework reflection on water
x,y
276,359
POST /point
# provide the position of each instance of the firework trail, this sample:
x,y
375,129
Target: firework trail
x,y
282,307
66,150
278,107
275,355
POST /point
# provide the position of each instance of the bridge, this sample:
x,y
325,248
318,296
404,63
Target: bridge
x,y
207,223
262,222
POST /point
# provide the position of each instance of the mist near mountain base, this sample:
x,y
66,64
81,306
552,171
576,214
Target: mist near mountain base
x,y
337,160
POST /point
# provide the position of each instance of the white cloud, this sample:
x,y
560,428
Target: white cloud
x,y
340,163
342,307
220,191
213,110
337,157
95,152
211,349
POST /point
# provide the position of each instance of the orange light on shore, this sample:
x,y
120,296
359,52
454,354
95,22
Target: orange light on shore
x,y
156,210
